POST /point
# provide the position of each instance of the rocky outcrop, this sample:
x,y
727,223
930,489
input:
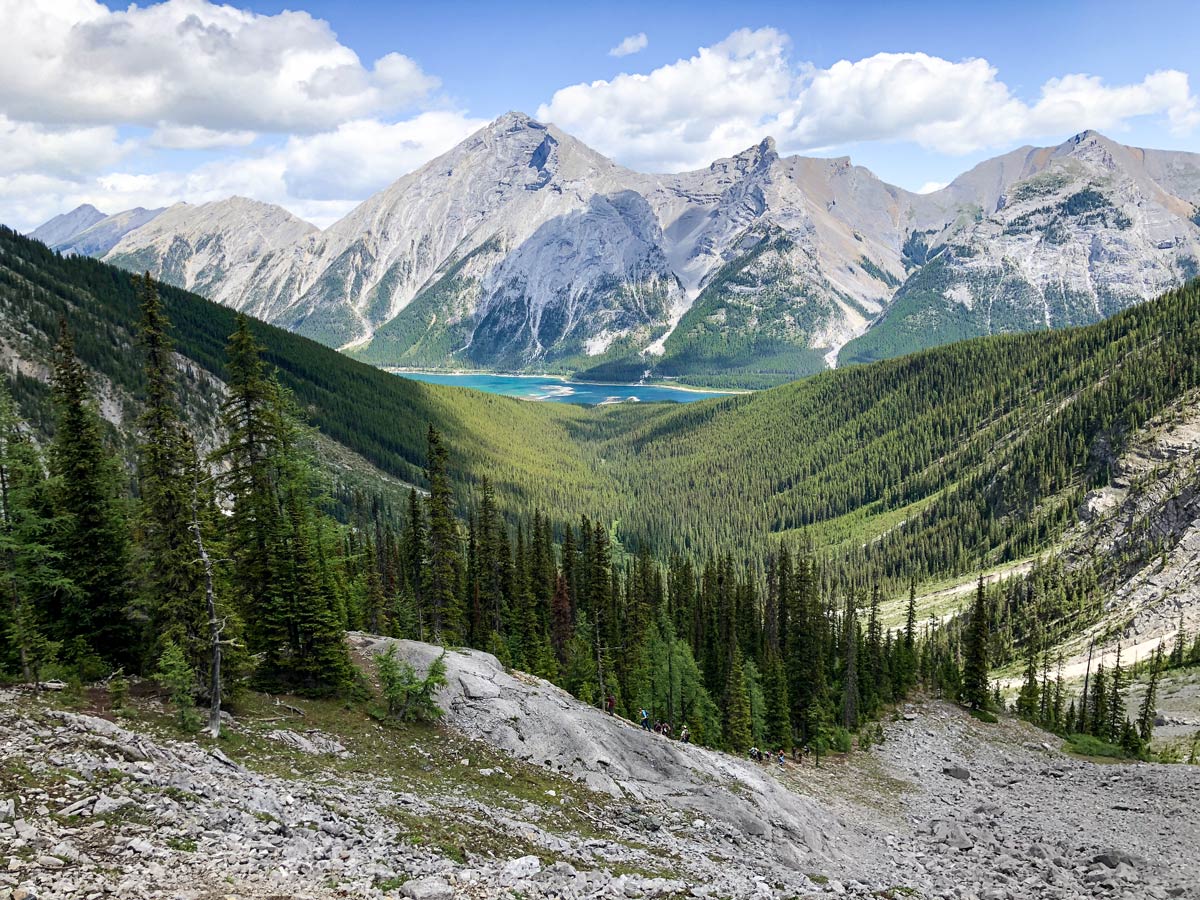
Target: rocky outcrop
x,y
533,720
1143,531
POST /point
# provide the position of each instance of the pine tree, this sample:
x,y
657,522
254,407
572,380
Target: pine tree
x,y
850,677
444,568
778,714
737,725
30,568
1029,698
910,618
314,660
94,543
1116,715
975,667
413,551
169,581
294,613
561,619
255,528
1098,705
1146,713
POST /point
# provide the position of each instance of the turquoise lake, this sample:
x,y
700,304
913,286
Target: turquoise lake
x,y
560,390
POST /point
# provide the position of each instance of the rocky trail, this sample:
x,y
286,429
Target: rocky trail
x,y
525,793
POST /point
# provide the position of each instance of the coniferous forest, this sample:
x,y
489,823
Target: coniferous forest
x,y
228,567
721,565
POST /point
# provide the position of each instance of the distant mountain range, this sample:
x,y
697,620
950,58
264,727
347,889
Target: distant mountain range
x,y
524,249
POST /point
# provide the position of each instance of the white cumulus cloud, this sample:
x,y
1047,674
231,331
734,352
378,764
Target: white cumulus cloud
x,y
61,152
191,63
728,96
632,44
360,157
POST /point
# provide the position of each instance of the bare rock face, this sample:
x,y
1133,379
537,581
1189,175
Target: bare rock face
x,y
65,225
102,236
538,722
1045,238
522,246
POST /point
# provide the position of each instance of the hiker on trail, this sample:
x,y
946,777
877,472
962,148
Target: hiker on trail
x,y
666,729
781,757
685,735
610,704
645,720
756,754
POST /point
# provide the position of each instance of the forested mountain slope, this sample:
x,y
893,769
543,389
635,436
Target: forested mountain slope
x,y
929,464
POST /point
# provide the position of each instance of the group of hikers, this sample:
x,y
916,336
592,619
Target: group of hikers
x,y
761,756
663,728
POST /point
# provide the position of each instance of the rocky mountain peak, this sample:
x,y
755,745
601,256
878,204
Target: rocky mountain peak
x,y
514,120
752,159
63,227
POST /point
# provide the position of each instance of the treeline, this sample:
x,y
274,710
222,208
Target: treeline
x,y
1100,709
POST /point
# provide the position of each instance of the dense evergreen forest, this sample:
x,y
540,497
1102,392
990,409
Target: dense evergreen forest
x,y
223,571
705,563
931,465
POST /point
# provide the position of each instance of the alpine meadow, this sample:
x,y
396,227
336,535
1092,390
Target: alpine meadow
x,y
903,602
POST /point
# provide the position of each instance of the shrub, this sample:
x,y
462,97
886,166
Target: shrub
x,y
840,740
176,675
118,689
1088,745
409,698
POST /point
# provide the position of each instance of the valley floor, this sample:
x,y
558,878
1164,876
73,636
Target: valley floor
x,y
334,804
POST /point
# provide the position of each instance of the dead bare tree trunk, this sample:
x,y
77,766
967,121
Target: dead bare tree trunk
x,y
215,625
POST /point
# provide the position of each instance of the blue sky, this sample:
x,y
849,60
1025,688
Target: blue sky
x,y
186,100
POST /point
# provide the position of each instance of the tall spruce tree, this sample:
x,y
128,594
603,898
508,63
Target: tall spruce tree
x,y
94,541
256,526
293,615
737,725
443,573
169,581
775,688
975,666
413,550
1146,712
31,575
850,666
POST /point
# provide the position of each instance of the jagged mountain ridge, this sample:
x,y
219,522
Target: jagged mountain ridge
x,y
1068,235
99,238
523,248
66,225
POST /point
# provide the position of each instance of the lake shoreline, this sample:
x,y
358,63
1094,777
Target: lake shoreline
x,y
566,379
560,388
